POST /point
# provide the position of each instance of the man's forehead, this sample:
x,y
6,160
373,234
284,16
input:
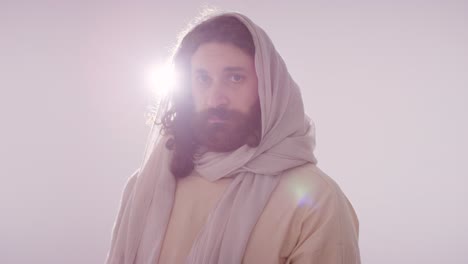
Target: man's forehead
x,y
221,56
199,69
216,49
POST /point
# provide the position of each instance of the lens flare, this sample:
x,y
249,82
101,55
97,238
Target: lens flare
x,y
161,79
302,194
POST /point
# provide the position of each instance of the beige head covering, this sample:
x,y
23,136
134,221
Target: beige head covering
x,y
287,141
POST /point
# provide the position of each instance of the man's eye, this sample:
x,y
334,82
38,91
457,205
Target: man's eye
x,y
203,79
236,78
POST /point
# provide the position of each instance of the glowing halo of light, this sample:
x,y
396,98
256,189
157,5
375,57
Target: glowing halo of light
x,y
161,80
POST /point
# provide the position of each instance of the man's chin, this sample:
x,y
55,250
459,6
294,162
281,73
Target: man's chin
x,y
223,135
221,143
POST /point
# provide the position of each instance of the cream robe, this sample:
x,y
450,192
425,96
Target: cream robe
x,y
308,219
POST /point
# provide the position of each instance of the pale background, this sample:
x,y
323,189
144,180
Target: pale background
x,y
385,82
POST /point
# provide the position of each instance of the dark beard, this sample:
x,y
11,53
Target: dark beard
x,y
237,130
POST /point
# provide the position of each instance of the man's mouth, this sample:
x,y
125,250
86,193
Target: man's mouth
x,y
216,120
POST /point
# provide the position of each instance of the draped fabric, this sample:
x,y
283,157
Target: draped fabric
x,y
288,140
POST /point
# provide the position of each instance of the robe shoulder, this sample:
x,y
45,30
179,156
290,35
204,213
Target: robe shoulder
x,y
324,227
129,185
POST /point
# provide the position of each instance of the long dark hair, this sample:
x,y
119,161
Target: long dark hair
x,y
176,121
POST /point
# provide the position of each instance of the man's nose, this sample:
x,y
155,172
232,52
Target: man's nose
x,y
217,96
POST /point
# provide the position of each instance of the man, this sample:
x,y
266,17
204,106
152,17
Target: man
x,y
233,178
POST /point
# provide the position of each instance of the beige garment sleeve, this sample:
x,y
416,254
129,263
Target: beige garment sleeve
x,y
328,232
123,204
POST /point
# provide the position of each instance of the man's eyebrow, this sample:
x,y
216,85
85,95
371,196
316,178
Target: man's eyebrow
x,y
226,69
200,71
233,68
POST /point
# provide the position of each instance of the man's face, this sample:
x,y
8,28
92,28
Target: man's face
x,y
224,88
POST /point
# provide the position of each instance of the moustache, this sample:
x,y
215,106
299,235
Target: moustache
x,y
218,113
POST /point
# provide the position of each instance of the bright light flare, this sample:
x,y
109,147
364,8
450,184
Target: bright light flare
x,y
161,79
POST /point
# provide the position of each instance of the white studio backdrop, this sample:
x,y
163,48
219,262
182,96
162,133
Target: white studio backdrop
x,y
386,83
